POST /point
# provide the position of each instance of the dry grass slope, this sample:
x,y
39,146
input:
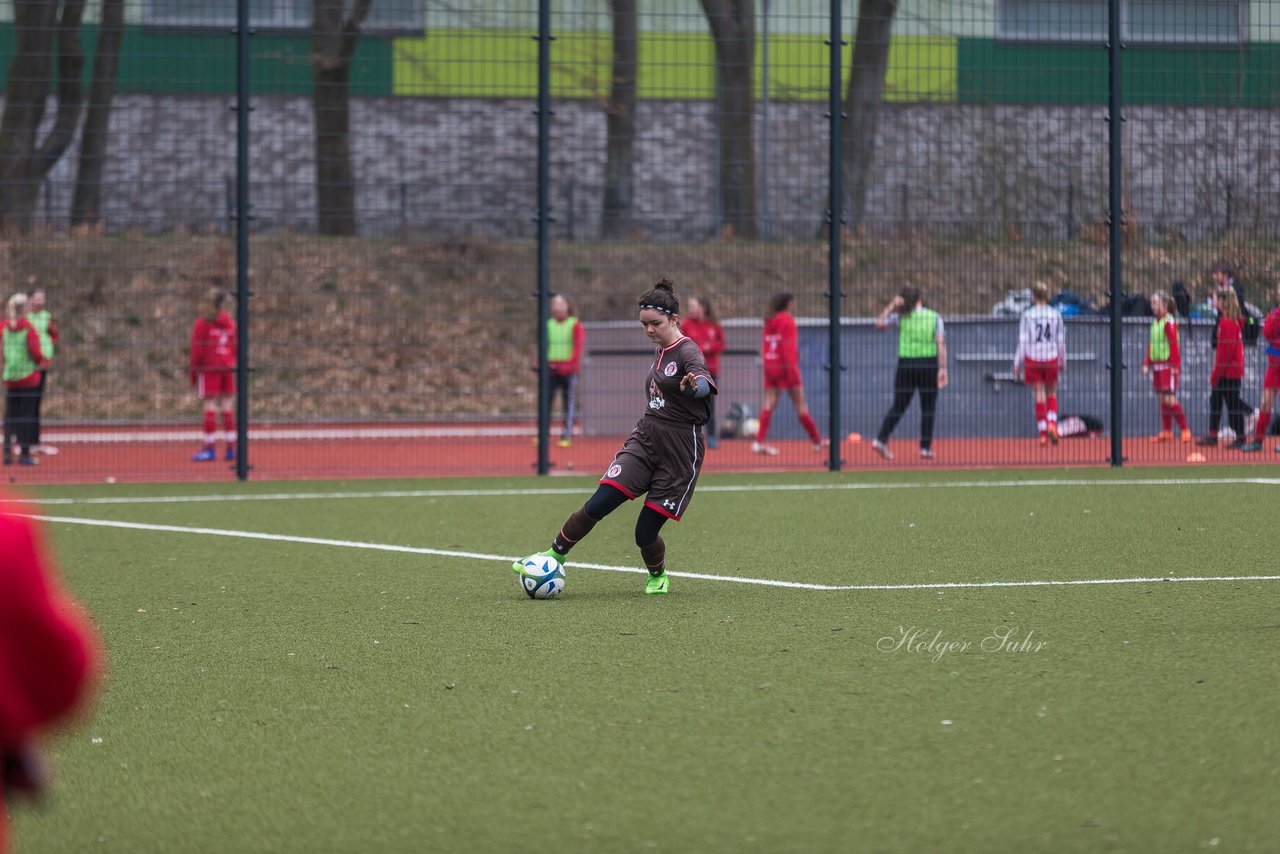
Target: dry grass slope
x,y
408,328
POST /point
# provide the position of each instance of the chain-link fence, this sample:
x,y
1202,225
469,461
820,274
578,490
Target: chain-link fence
x,y
392,276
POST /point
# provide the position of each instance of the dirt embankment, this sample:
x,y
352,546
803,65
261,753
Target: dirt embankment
x,y
410,328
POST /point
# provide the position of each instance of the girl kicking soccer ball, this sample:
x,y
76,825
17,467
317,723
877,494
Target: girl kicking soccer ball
x,y
663,457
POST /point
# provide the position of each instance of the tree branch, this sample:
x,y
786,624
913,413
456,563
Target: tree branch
x,y
351,28
70,100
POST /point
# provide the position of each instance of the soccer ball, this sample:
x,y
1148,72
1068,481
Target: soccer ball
x,y
750,427
542,577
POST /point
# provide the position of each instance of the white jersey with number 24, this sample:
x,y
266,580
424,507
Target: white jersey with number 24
x,y
1042,336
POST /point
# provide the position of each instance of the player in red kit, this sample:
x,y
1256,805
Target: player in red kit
x,y
46,656
1271,382
780,352
1041,357
700,324
1164,363
213,373
23,361
566,339
1228,370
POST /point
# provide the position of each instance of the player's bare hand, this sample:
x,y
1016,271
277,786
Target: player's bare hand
x,y
942,378
689,382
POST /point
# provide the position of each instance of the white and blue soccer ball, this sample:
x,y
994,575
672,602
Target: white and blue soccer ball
x,y
541,577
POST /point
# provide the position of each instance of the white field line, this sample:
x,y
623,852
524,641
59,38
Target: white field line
x,y
507,559
270,434
778,487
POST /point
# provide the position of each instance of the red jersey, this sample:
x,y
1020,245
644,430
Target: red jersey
x,y
1271,332
47,653
780,343
709,336
1228,359
213,344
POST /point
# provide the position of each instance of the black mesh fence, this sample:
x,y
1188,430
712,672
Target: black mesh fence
x,y
392,274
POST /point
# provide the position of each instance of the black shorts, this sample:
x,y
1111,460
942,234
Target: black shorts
x,y
660,458
916,374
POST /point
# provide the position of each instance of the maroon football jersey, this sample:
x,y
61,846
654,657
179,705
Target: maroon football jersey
x,y
666,401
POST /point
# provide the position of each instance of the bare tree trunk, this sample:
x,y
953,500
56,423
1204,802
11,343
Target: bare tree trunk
x,y
334,42
620,122
40,29
862,103
86,205
733,31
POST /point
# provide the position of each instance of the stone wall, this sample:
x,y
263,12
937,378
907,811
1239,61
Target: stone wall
x,y
469,166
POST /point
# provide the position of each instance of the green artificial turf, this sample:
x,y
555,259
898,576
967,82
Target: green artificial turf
x,y
286,696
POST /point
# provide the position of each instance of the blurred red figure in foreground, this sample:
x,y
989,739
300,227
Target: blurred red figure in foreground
x,y
48,656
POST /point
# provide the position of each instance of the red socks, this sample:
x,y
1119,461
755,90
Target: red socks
x,y
1264,421
1041,410
766,415
210,428
806,421
1170,414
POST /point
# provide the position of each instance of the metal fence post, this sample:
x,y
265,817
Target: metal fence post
x,y
544,214
242,239
1115,224
835,213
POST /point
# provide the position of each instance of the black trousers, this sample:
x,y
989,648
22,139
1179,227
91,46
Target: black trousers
x,y
44,375
567,386
1227,393
913,375
711,419
20,418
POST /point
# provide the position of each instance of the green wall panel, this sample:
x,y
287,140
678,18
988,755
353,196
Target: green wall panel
x,y
204,62
992,72
502,63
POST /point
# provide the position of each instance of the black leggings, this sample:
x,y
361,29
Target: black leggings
x,y
20,418
568,388
607,498
1226,392
35,437
913,375
711,416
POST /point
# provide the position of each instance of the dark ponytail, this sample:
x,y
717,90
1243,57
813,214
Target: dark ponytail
x,y
911,299
661,297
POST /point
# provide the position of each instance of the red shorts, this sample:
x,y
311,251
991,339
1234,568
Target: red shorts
x,y
782,376
1164,381
213,383
1041,372
1272,379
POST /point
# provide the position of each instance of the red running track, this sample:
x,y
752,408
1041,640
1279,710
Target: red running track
x,y
163,454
